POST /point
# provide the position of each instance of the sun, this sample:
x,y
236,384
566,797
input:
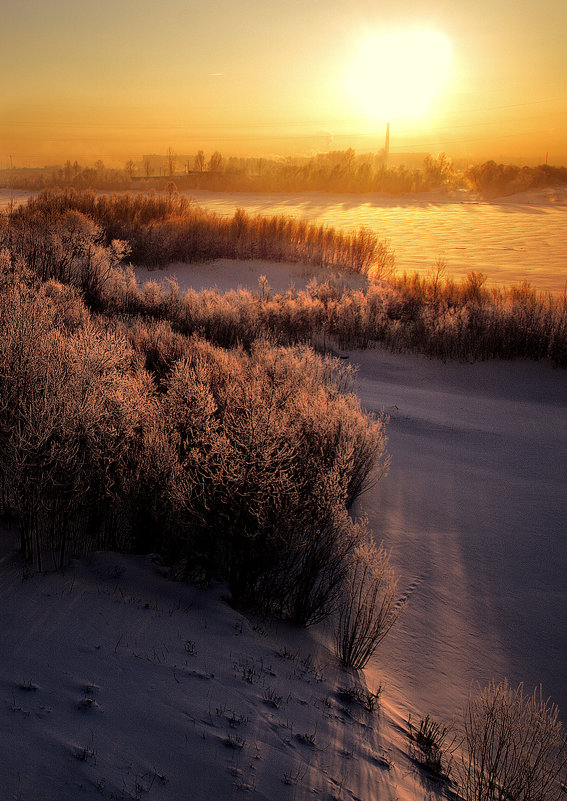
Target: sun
x,y
398,74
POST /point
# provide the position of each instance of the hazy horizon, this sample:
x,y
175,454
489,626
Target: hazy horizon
x,y
115,81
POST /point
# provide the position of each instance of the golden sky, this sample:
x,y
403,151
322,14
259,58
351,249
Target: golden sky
x,y
117,79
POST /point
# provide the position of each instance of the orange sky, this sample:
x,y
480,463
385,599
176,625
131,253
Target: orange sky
x,y
117,79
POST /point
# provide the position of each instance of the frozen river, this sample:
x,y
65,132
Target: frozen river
x,y
521,238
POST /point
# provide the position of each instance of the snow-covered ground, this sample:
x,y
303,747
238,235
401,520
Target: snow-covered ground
x,y
225,274
118,684
474,511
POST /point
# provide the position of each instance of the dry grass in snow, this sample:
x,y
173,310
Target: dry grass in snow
x,y
116,683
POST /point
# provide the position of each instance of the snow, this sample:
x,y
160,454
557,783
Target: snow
x,y
119,684
473,512
226,274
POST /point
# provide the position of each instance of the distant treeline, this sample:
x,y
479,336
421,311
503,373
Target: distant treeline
x,y
496,180
341,171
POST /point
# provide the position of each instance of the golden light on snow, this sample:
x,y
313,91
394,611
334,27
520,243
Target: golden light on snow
x,y
398,74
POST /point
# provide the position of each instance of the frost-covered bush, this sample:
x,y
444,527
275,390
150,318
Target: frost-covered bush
x,y
368,609
514,747
231,463
73,397
269,449
65,246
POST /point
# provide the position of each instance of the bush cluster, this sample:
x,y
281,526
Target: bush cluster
x,y
232,463
467,320
57,236
442,319
161,229
62,244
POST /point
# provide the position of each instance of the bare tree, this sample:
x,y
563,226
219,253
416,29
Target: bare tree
x,y
216,162
171,161
199,161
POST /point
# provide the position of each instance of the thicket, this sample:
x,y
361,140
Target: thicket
x,y
60,235
442,319
239,464
161,229
470,321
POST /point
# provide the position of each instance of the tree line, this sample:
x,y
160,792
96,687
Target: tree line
x,y
341,171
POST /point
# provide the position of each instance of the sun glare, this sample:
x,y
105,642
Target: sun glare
x,y
399,74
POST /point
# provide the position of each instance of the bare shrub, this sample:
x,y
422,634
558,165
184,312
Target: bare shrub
x,y
433,745
514,747
311,556
368,610
356,694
